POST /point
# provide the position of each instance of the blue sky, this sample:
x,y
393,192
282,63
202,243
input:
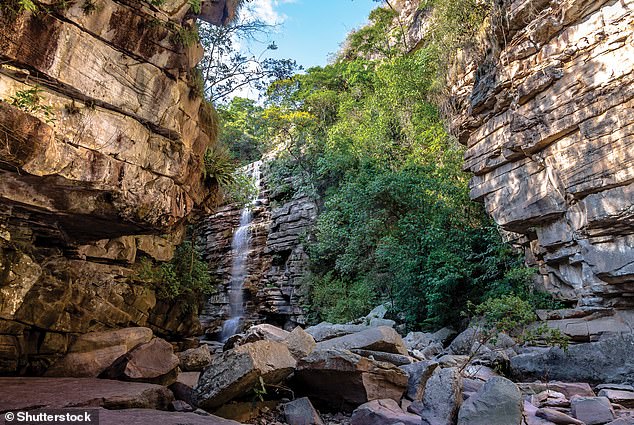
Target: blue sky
x,y
311,30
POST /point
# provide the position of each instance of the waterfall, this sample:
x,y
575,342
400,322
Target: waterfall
x,y
240,253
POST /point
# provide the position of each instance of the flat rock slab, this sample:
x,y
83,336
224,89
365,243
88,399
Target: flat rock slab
x,y
31,393
381,412
148,416
381,338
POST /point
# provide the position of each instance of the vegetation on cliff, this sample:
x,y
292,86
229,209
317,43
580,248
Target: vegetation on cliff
x,y
364,137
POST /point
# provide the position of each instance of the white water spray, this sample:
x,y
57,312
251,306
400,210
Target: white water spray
x,y
240,253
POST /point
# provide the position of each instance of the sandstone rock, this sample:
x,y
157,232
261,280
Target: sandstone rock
x,y
55,393
616,364
184,386
265,332
453,360
530,415
94,352
194,359
498,402
557,417
376,339
621,387
418,374
245,412
550,398
592,410
342,379
380,412
180,406
237,371
300,343
325,330
153,362
442,397
568,389
146,416
395,359
301,412
624,398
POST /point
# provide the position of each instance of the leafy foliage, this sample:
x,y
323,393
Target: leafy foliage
x,y
186,274
30,100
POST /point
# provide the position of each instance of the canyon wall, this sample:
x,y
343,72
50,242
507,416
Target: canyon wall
x,y
276,259
102,133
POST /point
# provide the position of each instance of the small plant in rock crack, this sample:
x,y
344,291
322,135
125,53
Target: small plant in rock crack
x,y
29,100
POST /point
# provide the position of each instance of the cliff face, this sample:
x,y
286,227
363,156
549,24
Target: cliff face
x,y
102,133
276,260
550,141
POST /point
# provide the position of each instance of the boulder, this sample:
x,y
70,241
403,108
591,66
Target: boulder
x,y
382,412
498,402
264,332
236,372
57,393
608,360
246,411
377,312
375,323
301,412
530,415
300,343
325,330
395,359
418,374
463,343
442,397
184,386
568,389
346,380
152,362
180,406
624,398
381,338
622,421
94,352
194,359
422,340
592,410
557,417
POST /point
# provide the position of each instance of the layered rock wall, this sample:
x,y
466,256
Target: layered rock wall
x,y
102,133
548,122
276,260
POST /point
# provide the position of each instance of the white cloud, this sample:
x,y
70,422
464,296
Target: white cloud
x,y
266,10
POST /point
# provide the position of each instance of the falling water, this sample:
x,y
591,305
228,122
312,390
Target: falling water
x,y
240,252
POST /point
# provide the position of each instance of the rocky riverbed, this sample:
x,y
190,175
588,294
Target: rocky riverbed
x,y
363,373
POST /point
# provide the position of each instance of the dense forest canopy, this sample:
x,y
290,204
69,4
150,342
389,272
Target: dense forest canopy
x,y
363,136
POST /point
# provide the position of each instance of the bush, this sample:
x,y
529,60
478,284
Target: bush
x,y
186,274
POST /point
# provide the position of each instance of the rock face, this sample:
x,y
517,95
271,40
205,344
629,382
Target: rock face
x,y
276,260
548,127
106,156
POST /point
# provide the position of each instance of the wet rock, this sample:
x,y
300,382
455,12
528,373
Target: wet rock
x,y
238,371
498,402
376,339
301,412
624,398
381,412
615,364
592,410
557,417
342,379
153,362
300,343
194,359
418,374
33,393
325,330
442,397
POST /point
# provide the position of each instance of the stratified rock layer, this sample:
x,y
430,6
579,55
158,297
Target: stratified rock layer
x,y
549,129
102,138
